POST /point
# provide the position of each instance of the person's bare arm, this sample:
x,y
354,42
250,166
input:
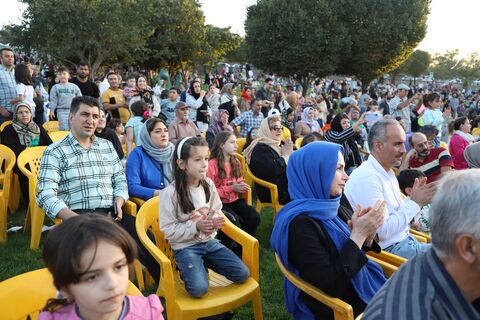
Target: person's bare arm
x,y
65,214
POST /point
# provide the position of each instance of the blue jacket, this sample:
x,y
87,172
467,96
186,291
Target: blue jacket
x,y
144,174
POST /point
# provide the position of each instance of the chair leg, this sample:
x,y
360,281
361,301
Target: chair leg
x,y
139,275
3,220
37,218
28,220
257,305
14,197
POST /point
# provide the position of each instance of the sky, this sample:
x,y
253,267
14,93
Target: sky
x,y
449,24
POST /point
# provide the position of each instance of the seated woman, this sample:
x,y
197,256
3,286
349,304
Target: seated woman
x,y
21,134
347,136
105,132
149,166
220,124
308,124
316,238
251,135
461,139
268,159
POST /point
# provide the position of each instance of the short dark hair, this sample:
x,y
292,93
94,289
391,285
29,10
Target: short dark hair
x,y
83,64
311,137
406,178
139,107
268,80
458,122
110,73
130,77
77,101
114,123
428,130
5,49
62,69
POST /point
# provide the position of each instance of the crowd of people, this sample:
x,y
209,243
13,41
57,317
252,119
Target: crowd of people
x,y
356,169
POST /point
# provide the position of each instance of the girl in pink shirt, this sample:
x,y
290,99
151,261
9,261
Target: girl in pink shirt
x,y
89,257
225,171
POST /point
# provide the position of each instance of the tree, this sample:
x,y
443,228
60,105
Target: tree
x,y
95,32
239,54
220,42
416,65
444,65
383,33
301,39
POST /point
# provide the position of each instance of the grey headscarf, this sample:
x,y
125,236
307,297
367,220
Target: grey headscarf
x,y
472,155
162,155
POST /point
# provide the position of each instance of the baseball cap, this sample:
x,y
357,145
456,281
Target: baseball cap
x,y
403,86
180,105
273,113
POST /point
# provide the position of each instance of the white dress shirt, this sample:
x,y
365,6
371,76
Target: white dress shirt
x,y
369,183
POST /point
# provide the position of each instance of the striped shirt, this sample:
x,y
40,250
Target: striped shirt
x,y
7,87
248,120
420,289
431,165
77,178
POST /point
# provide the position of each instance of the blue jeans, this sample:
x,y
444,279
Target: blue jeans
x,y
193,262
408,247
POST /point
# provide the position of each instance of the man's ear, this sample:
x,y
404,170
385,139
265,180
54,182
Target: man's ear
x,y
181,164
70,116
466,248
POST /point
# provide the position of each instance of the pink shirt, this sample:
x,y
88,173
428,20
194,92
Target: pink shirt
x,y
139,308
224,186
456,147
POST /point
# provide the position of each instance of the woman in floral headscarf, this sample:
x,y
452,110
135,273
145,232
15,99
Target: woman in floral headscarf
x,y
220,124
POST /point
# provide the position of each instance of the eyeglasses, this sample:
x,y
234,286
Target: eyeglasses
x,y
276,128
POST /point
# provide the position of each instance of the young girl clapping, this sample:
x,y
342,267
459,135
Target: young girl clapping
x,y
189,217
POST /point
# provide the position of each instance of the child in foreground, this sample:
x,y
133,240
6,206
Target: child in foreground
x,y
89,257
189,217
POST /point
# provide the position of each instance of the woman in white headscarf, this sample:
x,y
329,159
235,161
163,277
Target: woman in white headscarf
x,y
308,124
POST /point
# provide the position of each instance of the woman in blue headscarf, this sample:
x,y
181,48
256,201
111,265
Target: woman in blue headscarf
x,y
317,237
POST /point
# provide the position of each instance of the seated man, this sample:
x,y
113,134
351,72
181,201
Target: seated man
x,y
433,162
182,126
249,119
444,282
375,180
82,174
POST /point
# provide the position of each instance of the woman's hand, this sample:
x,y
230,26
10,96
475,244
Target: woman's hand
x,y
366,221
287,149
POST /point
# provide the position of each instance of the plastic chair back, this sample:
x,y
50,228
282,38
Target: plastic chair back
x,y
341,309
298,142
7,162
58,135
25,295
240,144
4,124
51,126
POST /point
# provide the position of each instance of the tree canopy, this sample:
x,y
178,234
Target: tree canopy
x,y
364,38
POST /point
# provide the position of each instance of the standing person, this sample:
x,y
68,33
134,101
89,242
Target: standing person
x,y
7,84
265,93
132,127
82,80
82,174
25,91
89,258
61,96
149,166
245,99
113,99
400,105
182,126
213,99
316,238
444,282
459,141
189,219
226,173
145,93
199,110
168,105
22,133
432,114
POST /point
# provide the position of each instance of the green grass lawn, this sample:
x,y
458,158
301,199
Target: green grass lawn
x,y
16,257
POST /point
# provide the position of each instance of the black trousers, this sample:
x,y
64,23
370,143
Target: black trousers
x,y
128,223
248,217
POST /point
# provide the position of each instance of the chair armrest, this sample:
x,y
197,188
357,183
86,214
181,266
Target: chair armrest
x,y
419,238
388,261
388,269
247,196
249,246
139,202
130,208
272,187
428,239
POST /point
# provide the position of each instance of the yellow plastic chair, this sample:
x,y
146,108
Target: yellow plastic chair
x,y
274,204
420,236
388,261
25,295
222,295
298,142
58,135
240,144
139,202
4,124
51,126
341,309
7,162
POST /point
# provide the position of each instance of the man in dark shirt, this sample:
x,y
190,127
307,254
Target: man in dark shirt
x,y
82,80
443,282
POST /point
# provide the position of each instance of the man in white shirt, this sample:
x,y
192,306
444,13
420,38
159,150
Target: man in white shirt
x,y
400,105
375,180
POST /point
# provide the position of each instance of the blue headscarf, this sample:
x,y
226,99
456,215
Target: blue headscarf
x,y
310,174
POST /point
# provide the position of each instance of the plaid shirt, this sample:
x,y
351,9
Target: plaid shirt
x,y
248,120
78,178
7,87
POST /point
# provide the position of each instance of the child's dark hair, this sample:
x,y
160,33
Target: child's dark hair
x,y
65,244
311,137
139,107
457,123
406,178
22,74
216,153
114,123
184,200
62,69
